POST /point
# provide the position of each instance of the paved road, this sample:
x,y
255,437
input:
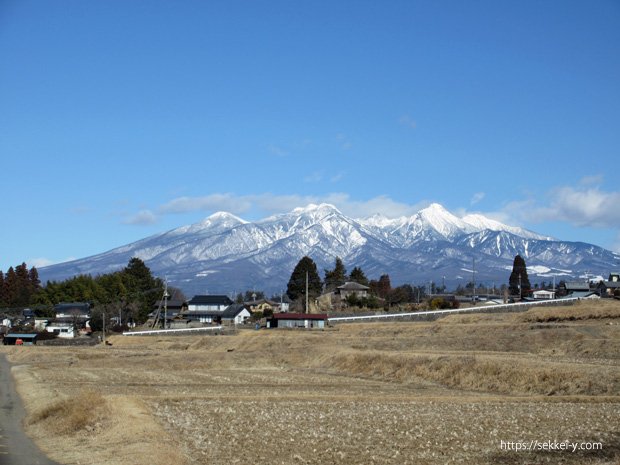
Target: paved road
x,y
15,447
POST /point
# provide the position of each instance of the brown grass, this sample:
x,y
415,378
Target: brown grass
x,y
84,412
483,373
581,310
383,392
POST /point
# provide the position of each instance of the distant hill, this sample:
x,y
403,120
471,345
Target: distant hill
x,y
225,254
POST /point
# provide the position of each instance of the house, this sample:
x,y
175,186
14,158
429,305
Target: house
x,y
208,303
61,330
608,288
201,316
173,307
614,277
352,288
235,314
206,308
543,294
298,320
569,288
74,312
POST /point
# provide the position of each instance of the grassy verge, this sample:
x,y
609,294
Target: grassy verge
x,y
481,373
84,412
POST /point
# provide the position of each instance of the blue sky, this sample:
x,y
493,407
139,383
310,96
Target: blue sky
x,y
122,119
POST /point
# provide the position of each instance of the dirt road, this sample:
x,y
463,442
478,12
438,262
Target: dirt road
x,y
15,447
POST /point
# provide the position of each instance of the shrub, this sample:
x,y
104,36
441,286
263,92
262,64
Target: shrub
x,y
76,414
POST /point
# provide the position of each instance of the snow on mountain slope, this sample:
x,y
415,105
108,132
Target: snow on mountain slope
x,y
224,252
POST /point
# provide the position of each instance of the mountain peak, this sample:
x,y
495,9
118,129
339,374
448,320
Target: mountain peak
x,y
312,207
224,216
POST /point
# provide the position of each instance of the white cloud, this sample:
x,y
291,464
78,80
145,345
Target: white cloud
x,y
579,206
225,202
40,262
477,197
143,217
269,204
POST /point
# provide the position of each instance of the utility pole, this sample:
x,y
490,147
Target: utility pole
x,y
307,292
103,328
473,277
520,290
166,295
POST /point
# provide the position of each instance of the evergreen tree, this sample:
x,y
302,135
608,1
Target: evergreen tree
x,y
24,287
296,288
358,276
2,291
519,283
144,289
384,286
11,289
336,277
35,282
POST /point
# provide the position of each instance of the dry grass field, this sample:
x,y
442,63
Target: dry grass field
x,y
438,392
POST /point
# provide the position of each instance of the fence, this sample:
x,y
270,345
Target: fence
x,y
433,314
170,331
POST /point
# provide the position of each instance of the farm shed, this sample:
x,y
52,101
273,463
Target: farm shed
x,y
235,314
12,339
298,320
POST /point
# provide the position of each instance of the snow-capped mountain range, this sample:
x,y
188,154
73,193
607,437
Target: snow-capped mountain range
x,y
225,254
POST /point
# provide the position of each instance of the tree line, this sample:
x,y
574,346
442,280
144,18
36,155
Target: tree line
x,y
132,290
18,286
381,292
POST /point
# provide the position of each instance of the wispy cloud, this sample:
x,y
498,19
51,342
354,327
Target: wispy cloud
x,y
477,197
344,142
408,121
268,203
41,262
225,202
336,177
317,176
277,150
143,217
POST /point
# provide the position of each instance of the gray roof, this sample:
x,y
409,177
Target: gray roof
x,y
233,310
577,286
210,300
353,286
73,307
611,284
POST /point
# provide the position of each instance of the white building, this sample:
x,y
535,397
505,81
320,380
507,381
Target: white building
x,y
543,294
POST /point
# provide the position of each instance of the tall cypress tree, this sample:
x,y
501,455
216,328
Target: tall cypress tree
x,y
35,282
296,288
519,283
11,289
24,287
